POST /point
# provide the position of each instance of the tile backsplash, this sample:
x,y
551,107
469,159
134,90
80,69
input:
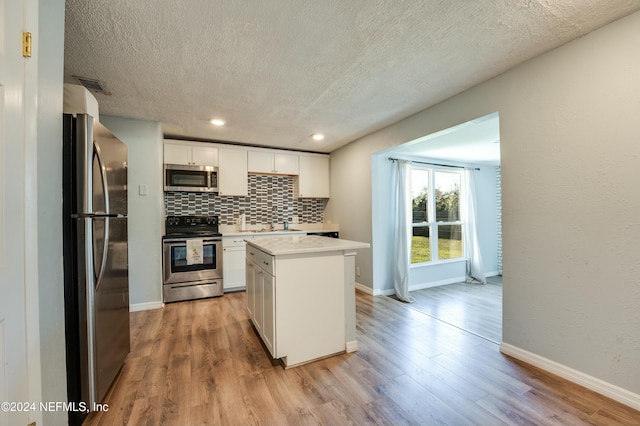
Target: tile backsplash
x,y
270,200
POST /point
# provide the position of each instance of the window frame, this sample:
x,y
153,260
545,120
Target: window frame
x,y
433,223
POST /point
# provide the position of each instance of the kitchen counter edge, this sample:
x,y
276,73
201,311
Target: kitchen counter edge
x,y
278,246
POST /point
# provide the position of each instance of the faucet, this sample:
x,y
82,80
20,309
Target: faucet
x,y
273,219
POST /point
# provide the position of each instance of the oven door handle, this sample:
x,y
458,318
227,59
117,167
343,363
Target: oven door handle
x,y
184,242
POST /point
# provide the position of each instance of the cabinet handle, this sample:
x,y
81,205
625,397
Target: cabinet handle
x,y
266,263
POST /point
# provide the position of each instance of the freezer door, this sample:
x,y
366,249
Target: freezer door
x,y
110,170
100,164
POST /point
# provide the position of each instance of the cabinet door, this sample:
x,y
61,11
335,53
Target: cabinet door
x,y
260,162
251,289
177,154
313,180
232,172
204,155
269,313
233,268
285,164
258,307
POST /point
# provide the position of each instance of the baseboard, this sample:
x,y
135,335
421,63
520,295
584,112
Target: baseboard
x,y
604,388
435,283
492,274
352,346
363,288
146,306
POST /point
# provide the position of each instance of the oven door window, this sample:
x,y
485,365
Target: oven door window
x,y
179,259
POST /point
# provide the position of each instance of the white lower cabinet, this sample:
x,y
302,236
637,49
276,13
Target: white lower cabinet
x,y
260,291
297,303
233,263
267,281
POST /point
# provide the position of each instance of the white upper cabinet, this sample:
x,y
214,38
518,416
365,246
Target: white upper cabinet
x,y
272,163
285,164
204,155
311,171
313,179
177,154
232,172
190,154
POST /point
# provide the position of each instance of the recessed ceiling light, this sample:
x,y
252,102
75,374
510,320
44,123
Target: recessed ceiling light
x,y
317,136
217,122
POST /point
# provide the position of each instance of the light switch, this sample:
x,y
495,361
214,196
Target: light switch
x,y
143,189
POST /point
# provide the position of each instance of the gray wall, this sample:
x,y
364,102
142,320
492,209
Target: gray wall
x,y
146,212
570,152
50,48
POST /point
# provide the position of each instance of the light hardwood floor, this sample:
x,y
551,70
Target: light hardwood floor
x,y
476,308
201,362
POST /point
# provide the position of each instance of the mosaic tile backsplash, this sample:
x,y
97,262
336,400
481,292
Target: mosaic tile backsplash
x,y
270,200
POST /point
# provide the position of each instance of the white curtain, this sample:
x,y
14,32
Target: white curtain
x,y
401,217
475,268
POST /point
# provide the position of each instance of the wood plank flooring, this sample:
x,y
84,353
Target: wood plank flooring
x,y
200,362
476,308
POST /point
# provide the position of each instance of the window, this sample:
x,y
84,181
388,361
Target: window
x,y
435,204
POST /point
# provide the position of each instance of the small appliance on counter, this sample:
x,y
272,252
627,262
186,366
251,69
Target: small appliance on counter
x,y
192,258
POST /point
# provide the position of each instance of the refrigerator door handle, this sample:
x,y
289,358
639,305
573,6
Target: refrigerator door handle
x,y
103,177
105,191
89,393
105,247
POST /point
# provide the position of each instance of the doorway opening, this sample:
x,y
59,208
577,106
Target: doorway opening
x,y
438,285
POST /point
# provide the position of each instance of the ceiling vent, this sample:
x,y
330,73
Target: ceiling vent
x,y
93,85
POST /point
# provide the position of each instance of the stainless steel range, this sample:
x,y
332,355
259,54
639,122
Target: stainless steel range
x,y
192,258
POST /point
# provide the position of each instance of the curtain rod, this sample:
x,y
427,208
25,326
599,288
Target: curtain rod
x,y
433,164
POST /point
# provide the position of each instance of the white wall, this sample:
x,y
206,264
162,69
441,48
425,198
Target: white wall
x,y
146,212
570,152
49,51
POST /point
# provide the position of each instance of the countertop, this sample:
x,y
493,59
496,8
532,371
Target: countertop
x,y
303,244
294,229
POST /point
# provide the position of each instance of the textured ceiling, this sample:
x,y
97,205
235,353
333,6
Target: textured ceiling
x,y
279,70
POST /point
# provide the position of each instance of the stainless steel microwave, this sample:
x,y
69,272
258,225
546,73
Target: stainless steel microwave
x,y
180,177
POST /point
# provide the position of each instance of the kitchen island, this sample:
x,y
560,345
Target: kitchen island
x,y
301,295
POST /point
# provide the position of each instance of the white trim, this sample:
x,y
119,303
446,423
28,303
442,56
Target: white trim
x,y
146,306
371,292
491,274
363,288
352,346
604,388
436,283
30,168
438,262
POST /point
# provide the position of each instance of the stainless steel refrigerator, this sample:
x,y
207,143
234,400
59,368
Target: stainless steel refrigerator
x,y
95,260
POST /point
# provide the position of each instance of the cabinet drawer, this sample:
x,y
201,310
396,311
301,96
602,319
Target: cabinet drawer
x,y
261,259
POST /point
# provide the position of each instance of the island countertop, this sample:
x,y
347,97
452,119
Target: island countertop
x,y
303,244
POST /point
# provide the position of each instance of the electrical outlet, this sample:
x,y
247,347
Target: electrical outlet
x,y
357,271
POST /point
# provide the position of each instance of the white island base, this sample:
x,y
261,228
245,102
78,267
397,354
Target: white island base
x,y
301,296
